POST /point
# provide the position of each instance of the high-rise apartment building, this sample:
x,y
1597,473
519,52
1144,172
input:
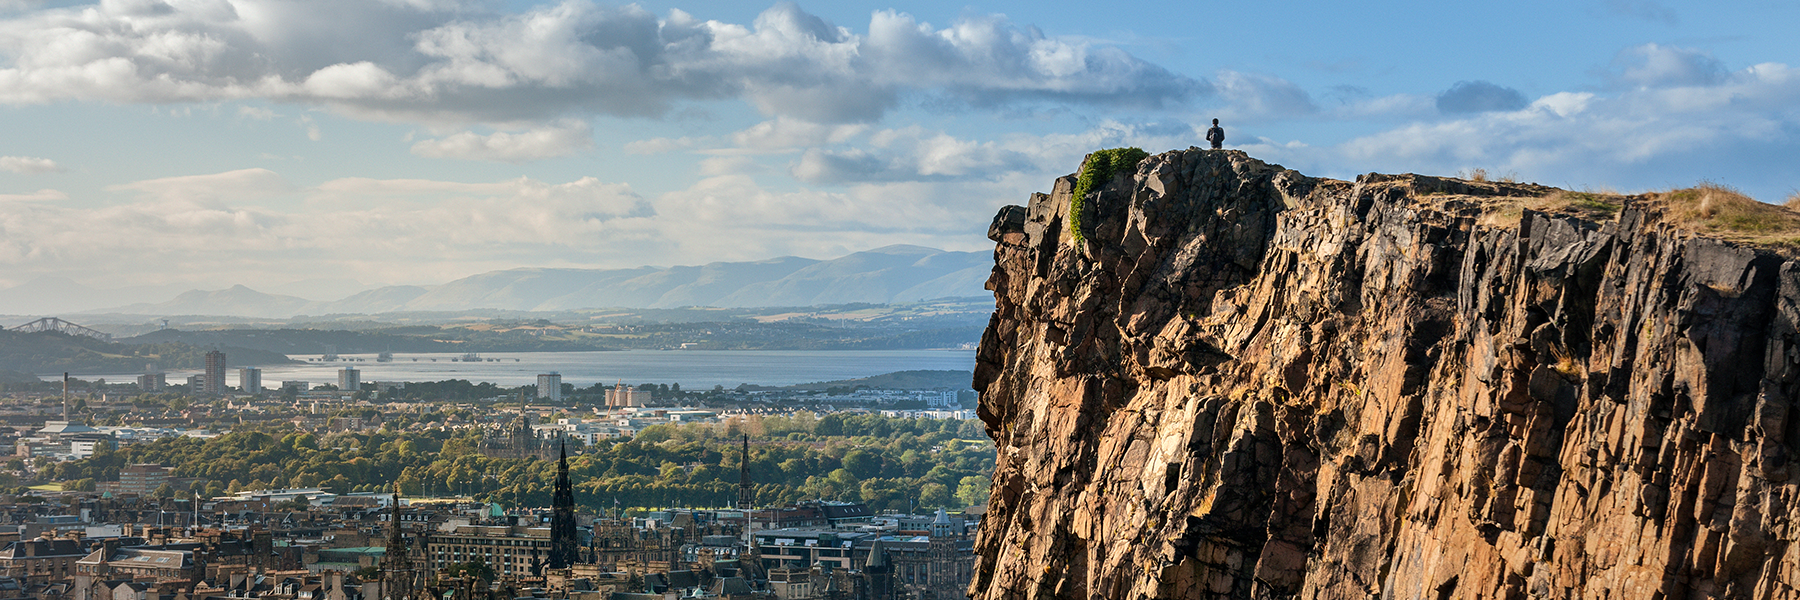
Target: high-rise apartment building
x,y
549,386
153,379
349,379
215,373
250,380
152,382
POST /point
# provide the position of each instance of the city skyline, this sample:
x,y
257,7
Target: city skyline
x,y
361,144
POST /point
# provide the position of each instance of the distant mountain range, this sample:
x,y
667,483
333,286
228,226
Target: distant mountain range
x,y
884,275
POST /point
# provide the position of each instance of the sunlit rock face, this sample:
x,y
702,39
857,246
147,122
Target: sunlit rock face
x,y
1243,382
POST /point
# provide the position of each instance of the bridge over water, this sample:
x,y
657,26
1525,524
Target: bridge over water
x,y
57,324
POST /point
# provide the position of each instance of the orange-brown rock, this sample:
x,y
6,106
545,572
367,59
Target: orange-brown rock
x,y
1242,382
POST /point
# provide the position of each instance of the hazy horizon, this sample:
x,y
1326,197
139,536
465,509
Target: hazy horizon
x,y
326,289
898,273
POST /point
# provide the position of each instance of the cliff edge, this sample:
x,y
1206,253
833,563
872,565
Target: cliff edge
x,y
1238,381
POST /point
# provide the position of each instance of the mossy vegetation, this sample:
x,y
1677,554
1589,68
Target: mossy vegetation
x,y
1099,169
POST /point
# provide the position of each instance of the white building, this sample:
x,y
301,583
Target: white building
x,y
549,386
250,380
313,496
80,449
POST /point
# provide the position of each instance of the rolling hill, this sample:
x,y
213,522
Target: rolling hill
x,y
884,275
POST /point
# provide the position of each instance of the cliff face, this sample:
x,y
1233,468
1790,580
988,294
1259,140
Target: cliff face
x,y
1248,383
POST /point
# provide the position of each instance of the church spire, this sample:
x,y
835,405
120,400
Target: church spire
x,y
396,547
880,573
746,490
563,547
397,572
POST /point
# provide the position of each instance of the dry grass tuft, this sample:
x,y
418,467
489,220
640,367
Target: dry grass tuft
x,y
1793,201
1483,176
1564,362
1721,209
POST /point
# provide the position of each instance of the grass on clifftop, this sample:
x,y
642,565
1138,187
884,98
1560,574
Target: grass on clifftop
x,y
1591,205
1708,209
1100,168
1714,209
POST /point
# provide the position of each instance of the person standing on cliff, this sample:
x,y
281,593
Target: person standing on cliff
x,y
1216,135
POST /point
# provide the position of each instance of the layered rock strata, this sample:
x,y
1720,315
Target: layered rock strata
x,y
1243,382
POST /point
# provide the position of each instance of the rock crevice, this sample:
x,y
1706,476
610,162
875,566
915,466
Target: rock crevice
x,y
1243,382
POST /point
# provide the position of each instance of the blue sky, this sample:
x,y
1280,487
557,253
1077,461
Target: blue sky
x,y
319,147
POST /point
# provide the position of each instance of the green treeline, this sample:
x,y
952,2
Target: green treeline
x,y
890,463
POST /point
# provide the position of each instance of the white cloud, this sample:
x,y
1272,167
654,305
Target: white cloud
x,y
378,230
988,60
29,165
44,195
913,154
563,139
362,79
784,134
1403,106
729,164
1253,96
666,145
917,155
425,231
430,220
414,60
213,189
731,216
1658,66
401,230
1669,130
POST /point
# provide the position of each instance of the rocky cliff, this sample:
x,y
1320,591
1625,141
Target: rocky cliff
x,y
1242,382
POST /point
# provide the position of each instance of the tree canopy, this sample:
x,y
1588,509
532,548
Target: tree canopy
x,y
890,463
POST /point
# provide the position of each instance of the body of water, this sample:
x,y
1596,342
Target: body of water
x,y
693,369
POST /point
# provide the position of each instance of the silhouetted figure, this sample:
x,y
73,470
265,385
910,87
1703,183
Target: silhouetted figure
x,y
1216,135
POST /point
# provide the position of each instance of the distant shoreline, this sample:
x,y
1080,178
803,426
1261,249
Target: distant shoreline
x,y
693,369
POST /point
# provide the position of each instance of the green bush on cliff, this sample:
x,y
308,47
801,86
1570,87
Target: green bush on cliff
x,y
1100,168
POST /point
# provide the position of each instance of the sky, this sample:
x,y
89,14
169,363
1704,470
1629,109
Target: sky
x,y
322,147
